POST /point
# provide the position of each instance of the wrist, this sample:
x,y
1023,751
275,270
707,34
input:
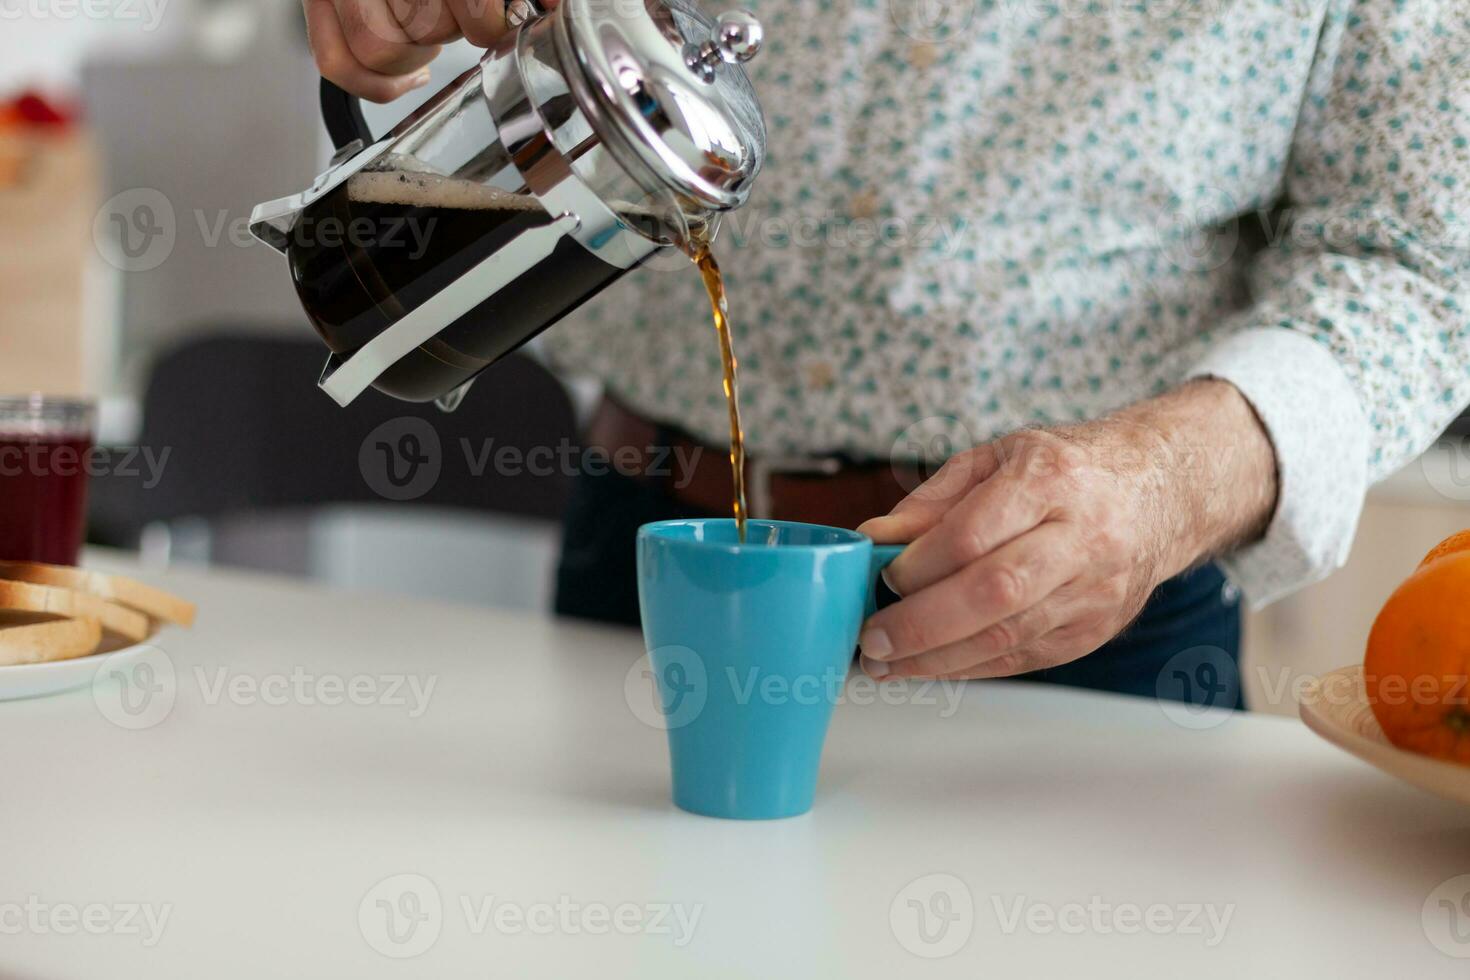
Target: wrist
x,y
1216,479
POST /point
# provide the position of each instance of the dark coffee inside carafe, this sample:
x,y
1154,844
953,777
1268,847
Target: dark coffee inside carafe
x,y
383,242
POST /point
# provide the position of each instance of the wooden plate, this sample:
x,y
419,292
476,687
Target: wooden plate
x,y
1336,707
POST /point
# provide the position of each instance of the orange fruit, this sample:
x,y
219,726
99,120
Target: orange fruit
x,y
1454,544
1417,667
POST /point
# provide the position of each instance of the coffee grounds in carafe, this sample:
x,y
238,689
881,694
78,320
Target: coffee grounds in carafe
x,y
385,241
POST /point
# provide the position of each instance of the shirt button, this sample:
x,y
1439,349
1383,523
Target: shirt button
x,y
820,376
863,204
923,54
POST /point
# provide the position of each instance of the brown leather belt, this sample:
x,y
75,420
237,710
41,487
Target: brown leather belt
x,y
817,490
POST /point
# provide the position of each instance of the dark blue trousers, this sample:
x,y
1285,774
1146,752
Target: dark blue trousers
x,y
1184,646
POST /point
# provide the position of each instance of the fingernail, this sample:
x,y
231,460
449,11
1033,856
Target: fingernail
x,y
889,582
875,644
876,669
419,80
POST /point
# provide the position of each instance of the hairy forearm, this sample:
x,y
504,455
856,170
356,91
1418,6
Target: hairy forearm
x,y
1216,482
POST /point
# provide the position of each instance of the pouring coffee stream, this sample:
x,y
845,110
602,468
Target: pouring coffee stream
x,y
583,142
698,249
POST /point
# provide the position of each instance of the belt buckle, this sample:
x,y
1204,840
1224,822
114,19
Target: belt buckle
x,y
760,470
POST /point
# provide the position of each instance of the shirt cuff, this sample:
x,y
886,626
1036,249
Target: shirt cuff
x,y
1316,425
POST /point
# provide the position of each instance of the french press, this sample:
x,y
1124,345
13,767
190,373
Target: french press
x,y
585,140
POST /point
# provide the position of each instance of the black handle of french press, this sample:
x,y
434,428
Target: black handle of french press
x,y
342,112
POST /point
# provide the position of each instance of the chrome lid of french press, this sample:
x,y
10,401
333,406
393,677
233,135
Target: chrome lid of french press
x,y
668,90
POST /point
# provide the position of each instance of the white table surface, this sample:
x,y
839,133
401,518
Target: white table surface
x,y
263,829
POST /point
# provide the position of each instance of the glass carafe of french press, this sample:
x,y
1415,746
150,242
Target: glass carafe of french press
x,y
584,141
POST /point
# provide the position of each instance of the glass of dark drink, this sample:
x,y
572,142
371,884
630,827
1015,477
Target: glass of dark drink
x,y
45,444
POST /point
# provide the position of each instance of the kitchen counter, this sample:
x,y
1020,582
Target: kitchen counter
x,y
326,784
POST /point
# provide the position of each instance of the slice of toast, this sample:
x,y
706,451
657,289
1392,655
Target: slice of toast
x,y
156,603
127,623
30,638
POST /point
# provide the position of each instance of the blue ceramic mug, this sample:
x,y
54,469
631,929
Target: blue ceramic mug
x,y
750,646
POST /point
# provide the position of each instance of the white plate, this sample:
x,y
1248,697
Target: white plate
x,y
38,680
1336,707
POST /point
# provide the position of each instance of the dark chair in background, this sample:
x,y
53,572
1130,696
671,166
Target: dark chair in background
x,y
247,432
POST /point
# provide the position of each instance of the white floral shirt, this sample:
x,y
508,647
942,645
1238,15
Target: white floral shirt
x,y
982,214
